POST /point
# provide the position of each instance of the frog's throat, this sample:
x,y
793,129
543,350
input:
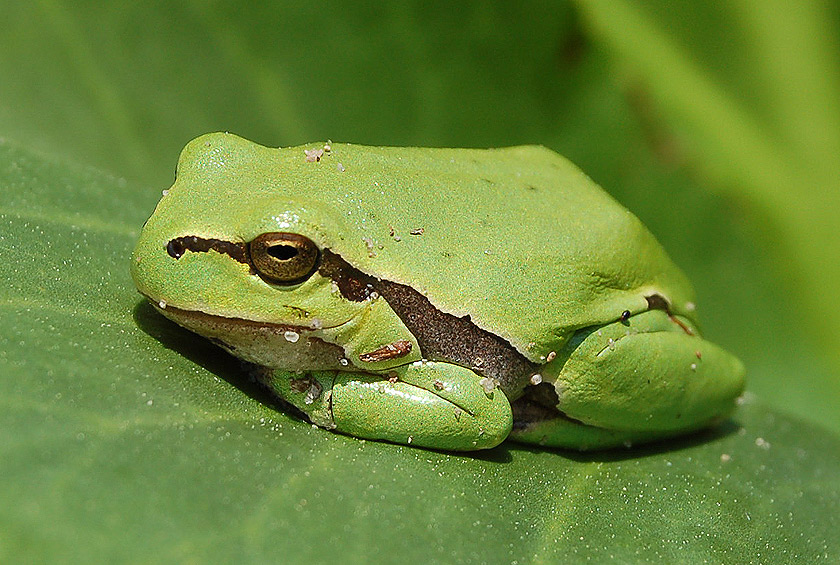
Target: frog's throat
x,y
280,346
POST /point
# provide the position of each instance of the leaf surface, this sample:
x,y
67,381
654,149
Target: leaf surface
x,y
122,430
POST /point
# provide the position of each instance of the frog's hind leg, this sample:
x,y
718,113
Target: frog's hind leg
x,y
631,381
428,404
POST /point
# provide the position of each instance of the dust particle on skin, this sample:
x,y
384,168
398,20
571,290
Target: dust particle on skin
x,y
536,379
488,384
313,155
370,246
417,231
291,337
550,357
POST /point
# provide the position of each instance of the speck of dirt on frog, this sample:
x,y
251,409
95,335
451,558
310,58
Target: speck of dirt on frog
x,y
488,384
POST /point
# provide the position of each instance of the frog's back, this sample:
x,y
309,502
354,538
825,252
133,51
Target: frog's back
x,y
518,238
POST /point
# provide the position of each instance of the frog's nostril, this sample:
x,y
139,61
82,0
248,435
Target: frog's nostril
x,y
175,248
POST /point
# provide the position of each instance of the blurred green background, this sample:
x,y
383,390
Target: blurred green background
x,y
718,124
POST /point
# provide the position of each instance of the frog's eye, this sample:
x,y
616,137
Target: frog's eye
x,y
284,258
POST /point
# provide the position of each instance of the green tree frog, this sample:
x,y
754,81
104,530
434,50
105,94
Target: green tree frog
x,y
444,298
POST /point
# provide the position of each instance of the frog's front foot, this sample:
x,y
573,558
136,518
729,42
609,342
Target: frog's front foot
x,y
427,404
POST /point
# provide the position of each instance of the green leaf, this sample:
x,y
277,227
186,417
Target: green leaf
x,y
144,441
124,438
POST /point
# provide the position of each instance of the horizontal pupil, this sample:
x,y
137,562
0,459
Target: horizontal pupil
x,y
283,252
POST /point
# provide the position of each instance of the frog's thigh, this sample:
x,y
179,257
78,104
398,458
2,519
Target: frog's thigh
x,y
634,382
431,404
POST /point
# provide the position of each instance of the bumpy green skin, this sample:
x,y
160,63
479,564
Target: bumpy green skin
x,y
517,239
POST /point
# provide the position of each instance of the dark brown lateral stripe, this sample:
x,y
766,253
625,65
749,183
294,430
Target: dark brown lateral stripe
x,y
444,337
353,284
441,336
180,245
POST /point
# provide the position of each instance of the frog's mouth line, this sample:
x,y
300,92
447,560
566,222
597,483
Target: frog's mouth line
x,y
175,314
